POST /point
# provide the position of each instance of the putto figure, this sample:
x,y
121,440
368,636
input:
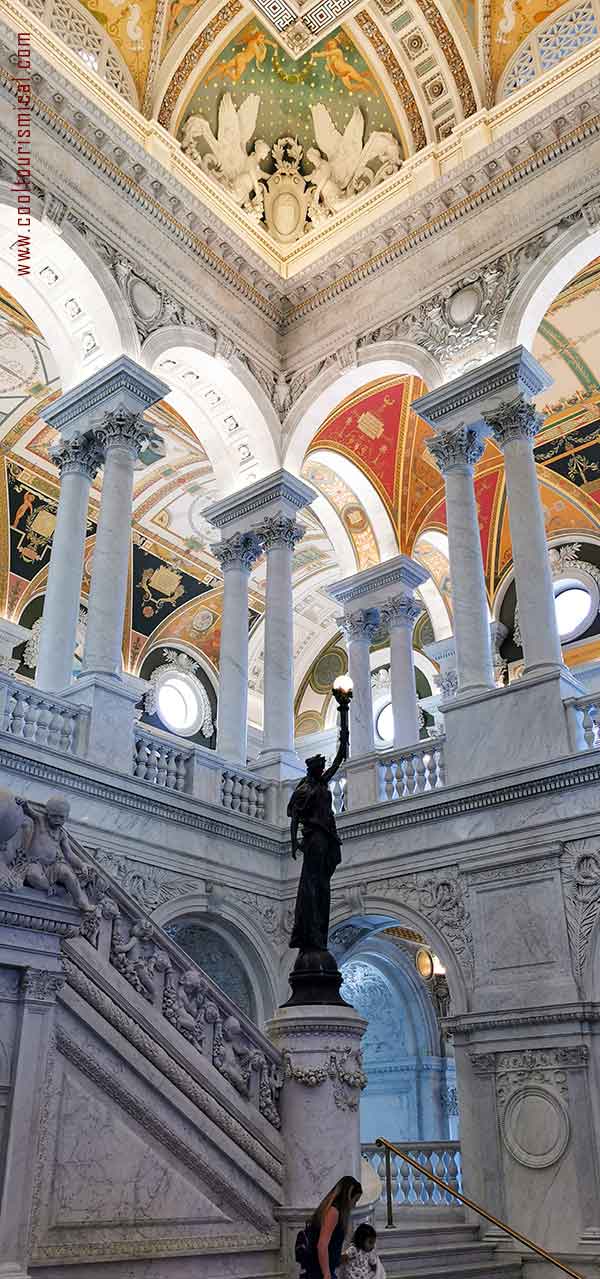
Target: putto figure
x,y
314,832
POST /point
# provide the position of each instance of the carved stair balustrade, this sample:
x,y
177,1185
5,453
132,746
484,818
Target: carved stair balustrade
x,y
116,933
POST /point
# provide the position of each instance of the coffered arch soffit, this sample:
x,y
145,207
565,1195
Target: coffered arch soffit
x,y
69,295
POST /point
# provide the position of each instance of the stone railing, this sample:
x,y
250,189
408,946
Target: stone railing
x,y
242,793
338,786
410,1187
584,720
161,761
411,772
43,719
116,933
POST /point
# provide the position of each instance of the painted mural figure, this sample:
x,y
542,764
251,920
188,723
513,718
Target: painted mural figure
x,y
254,49
339,67
311,811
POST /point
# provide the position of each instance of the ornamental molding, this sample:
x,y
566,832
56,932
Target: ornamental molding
x,y
440,898
362,625
344,1070
41,986
151,886
512,870
41,769
401,611
573,1013
175,661
279,530
81,456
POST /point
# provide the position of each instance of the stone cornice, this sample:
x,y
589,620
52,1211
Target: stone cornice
x,y
388,576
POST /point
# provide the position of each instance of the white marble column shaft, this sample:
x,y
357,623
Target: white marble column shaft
x,y
77,463
514,427
236,555
359,629
121,436
279,535
399,615
456,453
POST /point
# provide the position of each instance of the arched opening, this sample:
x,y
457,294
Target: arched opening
x,y
219,957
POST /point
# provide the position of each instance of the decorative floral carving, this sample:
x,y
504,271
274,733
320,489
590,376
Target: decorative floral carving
x,y
451,449
516,419
37,983
581,879
402,610
151,886
279,530
240,551
439,896
310,1076
363,624
80,456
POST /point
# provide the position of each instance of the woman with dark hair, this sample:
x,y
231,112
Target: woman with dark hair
x,y
328,1228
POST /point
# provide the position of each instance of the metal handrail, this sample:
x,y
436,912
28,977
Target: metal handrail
x,y
388,1147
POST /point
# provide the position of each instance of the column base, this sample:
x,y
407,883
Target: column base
x,y
111,700
278,766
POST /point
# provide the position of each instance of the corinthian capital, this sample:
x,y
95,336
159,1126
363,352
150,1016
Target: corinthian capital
x,y
81,456
240,551
121,428
451,449
401,610
279,530
514,420
361,625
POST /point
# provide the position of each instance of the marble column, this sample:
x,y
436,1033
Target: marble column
x,y
279,534
399,615
78,463
236,556
456,453
514,426
360,629
122,436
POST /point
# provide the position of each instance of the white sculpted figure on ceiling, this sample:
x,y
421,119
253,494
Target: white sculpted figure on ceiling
x,y
289,202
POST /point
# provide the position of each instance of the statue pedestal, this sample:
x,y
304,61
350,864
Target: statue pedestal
x,y
315,979
323,1078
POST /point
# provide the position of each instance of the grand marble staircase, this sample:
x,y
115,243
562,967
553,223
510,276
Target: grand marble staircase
x,y
438,1244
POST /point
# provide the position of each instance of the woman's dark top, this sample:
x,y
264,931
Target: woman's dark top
x,y
336,1244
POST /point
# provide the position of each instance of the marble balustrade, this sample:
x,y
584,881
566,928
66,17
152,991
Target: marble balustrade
x,y
409,1188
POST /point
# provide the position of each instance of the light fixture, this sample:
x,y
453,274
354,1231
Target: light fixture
x,y
343,684
424,963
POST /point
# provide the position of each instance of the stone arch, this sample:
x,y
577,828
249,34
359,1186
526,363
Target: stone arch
x,y
82,278
566,253
394,908
366,496
240,431
331,386
238,929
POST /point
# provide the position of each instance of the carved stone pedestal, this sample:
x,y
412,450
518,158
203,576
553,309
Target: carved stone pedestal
x,y
323,1078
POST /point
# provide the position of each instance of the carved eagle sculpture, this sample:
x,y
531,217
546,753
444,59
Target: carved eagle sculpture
x,y
349,158
228,161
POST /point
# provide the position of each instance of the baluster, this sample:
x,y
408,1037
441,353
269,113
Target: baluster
x,y
261,801
56,729
11,703
588,727
389,780
404,776
418,1178
420,773
172,757
429,1187
181,766
404,1183
140,755
252,799
227,790
595,718
236,797
43,723
439,764
151,762
31,717
453,1175
161,764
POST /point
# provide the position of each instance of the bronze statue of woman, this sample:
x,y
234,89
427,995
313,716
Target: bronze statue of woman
x,y
314,832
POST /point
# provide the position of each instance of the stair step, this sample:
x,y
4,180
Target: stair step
x,y
435,1232
425,1256
465,1270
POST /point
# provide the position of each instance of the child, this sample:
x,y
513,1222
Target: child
x,y
360,1261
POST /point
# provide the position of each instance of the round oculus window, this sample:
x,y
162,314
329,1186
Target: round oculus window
x,y
385,723
178,704
574,608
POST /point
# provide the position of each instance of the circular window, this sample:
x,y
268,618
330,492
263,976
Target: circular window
x,y
574,606
177,704
385,723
